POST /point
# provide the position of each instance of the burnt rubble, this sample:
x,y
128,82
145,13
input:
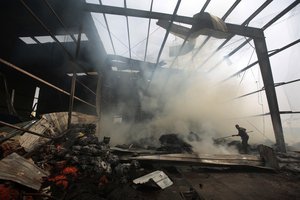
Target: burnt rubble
x,y
166,143
77,165
80,157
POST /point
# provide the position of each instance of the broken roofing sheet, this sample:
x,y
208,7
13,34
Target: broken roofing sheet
x,y
52,124
204,159
159,177
18,169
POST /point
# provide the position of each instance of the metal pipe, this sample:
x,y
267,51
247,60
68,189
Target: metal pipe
x,y
42,81
21,129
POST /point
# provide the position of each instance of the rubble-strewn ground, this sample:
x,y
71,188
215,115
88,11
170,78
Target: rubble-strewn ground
x,y
78,166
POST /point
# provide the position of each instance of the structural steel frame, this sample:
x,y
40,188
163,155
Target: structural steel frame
x,y
253,33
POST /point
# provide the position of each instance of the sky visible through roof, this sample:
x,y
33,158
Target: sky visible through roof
x,y
285,65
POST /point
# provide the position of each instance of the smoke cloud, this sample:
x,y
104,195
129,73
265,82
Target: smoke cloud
x,y
183,100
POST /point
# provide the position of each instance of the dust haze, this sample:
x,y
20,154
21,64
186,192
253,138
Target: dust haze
x,y
183,99
180,102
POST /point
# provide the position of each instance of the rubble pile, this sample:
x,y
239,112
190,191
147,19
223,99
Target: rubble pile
x,y
74,164
166,143
173,143
289,161
81,158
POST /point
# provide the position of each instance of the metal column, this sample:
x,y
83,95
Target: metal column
x,y
73,86
266,72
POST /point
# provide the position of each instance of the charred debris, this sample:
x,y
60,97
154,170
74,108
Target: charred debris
x,y
74,163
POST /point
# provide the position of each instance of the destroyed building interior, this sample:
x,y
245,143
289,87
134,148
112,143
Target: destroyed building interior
x,y
149,99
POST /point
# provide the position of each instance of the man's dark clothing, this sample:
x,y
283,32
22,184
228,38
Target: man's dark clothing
x,y
245,137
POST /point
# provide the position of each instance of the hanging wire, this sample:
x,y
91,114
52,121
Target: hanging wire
x,y
247,65
140,42
260,100
114,35
258,130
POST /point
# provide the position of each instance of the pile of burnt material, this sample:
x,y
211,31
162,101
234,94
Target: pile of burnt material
x,y
167,143
82,167
174,144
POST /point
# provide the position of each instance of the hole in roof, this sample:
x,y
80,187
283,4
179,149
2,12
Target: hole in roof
x,y
77,74
27,40
92,73
83,37
60,38
44,39
92,1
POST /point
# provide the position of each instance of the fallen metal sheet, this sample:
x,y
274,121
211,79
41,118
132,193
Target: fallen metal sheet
x,y
29,141
132,151
53,124
204,159
60,119
17,169
159,177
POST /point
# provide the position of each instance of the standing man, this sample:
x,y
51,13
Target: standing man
x,y
244,136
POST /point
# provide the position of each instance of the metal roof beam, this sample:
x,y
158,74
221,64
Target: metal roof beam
x,y
148,32
254,63
205,5
108,30
234,5
272,21
232,28
275,85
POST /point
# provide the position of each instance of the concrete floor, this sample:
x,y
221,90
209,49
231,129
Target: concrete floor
x,y
220,185
245,185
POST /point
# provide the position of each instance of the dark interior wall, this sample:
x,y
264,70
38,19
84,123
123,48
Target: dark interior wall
x,y
119,95
48,60
24,93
